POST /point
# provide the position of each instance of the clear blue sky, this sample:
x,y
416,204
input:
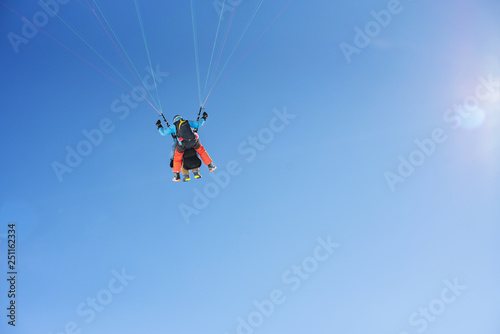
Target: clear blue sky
x,y
110,245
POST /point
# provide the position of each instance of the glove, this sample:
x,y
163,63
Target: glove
x,y
158,124
171,163
205,115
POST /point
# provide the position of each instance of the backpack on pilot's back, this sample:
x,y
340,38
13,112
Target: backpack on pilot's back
x,y
184,133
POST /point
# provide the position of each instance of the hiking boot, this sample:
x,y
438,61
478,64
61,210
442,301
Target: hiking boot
x,y
211,167
186,178
196,174
177,177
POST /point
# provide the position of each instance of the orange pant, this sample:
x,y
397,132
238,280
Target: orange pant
x,y
178,156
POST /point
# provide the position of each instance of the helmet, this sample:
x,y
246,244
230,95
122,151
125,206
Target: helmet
x,y
176,118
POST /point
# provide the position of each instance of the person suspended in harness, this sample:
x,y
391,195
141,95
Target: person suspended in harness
x,y
190,162
186,139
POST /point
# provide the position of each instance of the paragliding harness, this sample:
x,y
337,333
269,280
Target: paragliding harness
x,y
190,159
185,134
